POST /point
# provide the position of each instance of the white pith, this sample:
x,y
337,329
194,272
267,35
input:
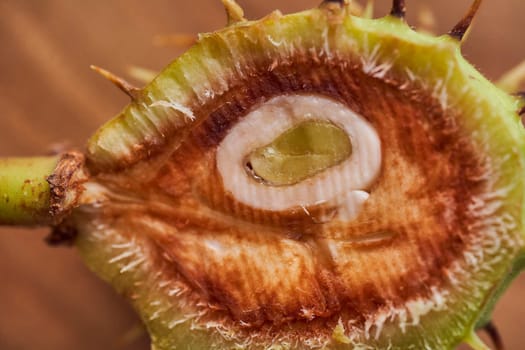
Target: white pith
x,y
343,185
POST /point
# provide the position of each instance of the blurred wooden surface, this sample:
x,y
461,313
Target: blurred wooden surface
x,y
48,95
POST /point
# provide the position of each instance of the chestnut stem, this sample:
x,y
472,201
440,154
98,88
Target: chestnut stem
x,y
24,190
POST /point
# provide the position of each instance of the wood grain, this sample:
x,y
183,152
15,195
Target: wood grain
x,y
49,98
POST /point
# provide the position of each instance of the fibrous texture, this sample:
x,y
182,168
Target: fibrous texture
x,y
397,243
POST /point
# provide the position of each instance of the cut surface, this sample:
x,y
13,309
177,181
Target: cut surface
x,y
299,153
396,245
339,183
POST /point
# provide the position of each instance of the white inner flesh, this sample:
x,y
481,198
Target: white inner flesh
x,y
343,184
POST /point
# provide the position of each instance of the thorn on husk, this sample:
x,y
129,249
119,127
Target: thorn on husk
x,y
426,20
234,11
459,30
368,12
127,88
336,8
494,335
513,80
398,9
178,40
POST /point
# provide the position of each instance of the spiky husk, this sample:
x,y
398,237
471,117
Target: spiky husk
x,y
139,141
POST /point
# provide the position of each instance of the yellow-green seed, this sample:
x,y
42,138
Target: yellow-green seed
x,y
299,153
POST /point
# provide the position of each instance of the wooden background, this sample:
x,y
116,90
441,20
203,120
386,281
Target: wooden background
x,y
49,97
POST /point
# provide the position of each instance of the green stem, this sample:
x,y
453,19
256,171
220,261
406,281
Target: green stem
x,y
24,190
